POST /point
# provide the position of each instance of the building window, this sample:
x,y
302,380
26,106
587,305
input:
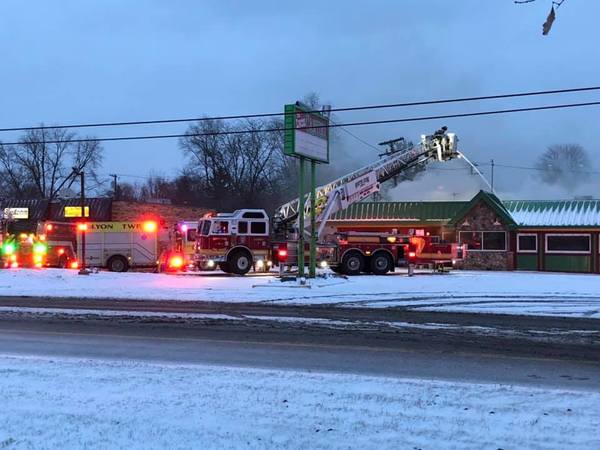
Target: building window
x,y
471,238
568,243
494,240
527,243
484,240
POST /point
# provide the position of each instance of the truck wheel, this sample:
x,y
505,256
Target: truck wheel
x,y
240,262
381,263
353,263
63,262
117,264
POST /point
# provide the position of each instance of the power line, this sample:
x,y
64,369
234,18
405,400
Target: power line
x,y
359,139
278,114
542,169
350,124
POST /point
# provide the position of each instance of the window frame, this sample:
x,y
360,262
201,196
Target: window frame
x,y
537,245
483,249
481,232
571,252
463,243
214,222
264,233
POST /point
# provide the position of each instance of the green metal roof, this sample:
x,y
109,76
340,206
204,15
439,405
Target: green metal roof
x,y
555,213
520,213
436,213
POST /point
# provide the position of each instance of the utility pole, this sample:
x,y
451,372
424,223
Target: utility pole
x,y
115,187
84,230
492,162
82,225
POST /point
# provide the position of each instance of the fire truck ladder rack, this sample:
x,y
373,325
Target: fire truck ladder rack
x,y
440,146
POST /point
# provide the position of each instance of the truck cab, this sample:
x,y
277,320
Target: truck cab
x,y
235,242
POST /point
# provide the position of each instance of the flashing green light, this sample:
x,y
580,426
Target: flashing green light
x,y
39,248
9,248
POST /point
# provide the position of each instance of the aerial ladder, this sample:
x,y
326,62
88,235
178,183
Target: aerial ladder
x,y
358,185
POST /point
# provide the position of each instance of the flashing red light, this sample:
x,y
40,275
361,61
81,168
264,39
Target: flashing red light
x,y
176,262
412,254
49,227
184,228
61,251
14,264
82,226
282,254
74,265
149,226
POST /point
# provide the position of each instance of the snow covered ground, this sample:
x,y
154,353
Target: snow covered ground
x,y
574,295
69,403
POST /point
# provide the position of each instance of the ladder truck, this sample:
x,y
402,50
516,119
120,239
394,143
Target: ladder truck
x,y
247,238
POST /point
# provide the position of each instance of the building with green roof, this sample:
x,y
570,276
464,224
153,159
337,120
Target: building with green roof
x,y
550,235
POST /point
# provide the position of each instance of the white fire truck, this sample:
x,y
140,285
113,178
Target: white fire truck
x,y
120,246
242,240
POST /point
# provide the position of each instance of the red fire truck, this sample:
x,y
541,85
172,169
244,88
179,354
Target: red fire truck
x,y
22,250
234,242
242,240
61,239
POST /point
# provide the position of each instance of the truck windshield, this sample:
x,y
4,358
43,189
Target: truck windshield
x,y
204,227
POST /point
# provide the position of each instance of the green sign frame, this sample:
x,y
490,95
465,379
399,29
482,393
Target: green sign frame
x,y
303,137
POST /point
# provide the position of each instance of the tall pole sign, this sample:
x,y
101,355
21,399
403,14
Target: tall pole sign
x,y
306,137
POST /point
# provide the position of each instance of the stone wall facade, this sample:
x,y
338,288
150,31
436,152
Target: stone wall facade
x,y
484,218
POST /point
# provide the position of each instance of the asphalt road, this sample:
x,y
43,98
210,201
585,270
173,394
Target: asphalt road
x,y
283,348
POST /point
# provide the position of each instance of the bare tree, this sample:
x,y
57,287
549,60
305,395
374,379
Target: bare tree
x,y
43,161
565,165
237,164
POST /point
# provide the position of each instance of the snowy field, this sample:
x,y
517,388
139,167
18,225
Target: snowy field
x,y
574,295
74,404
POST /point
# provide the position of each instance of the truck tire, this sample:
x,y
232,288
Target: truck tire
x,y
240,262
353,263
63,262
336,269
381,263
117,264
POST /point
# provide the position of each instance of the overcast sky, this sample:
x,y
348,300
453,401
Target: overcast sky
x,y
114,60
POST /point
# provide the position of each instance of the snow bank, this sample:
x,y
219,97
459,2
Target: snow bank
x,y
62,403
575,295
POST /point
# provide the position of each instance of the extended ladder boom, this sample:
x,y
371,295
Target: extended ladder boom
x,y
355,186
